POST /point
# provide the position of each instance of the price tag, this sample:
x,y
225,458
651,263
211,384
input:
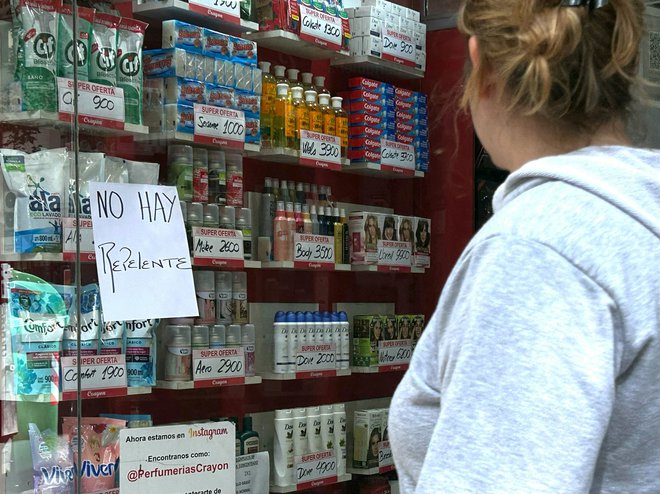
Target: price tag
x,y
398,47
313,251
225,10
84,232
98,105
320,28
316,361
320,150
315,470
394,355
397,157
218,367
394,256
385,458
217,247
101,376
219,126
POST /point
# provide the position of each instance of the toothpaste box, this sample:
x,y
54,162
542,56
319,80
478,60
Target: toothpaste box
x,y
216,44
165,63
364,156
368,108
380,121
357,131
357,95
180,118
221,96
371,85
367,436
364,234
404,116
422,251
406,105
183,91
243,51
405,139
406,94
408,128
178,34
365,143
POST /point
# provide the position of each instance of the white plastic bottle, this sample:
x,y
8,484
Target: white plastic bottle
x,y
302,328
223,297
292,342
300,445
336,338
318,328
345,355
327,328
310,337
314,429
280,344
327,428
283,449
339,411
248,341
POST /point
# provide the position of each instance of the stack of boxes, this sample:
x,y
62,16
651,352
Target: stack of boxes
x,y
198,65
412,125
373,17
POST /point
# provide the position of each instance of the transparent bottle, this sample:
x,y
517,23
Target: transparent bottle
x,y
341,124
319,85
292,79
301,113
278,132
268,95
306,78
328,114
315,114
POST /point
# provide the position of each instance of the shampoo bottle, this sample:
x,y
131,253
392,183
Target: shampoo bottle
x,y
283,453
249,438
280,234
292,350
339,411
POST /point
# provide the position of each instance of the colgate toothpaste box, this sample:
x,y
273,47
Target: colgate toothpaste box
x,y
406,105
364,107
405,139
357,131
365,143
364,155
404,116
379,121
363,95
406,127
371,85
406,94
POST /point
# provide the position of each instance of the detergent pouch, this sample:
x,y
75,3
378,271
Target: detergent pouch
x,y
37,49
37,180
100,450
103,50
68,48
37,316
130,38
52,462
140,344
90,323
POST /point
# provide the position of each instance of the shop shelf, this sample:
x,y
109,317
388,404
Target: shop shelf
x,y
376,68
294,487
379,370
291,44
289,157
36,257
173,137
371,471
52,119
181,385
291,265
130,391
176,9
296,376
372,268
200,262
377,170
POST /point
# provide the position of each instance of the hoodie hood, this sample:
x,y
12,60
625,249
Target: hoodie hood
x,y
626,177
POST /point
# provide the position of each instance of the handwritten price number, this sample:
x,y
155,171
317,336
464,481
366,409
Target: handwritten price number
x,y
112,372
230,366
407,157
323,253
401,355
233,128
332,31
102,103
326,468
329,150
227,4
325,358
402,255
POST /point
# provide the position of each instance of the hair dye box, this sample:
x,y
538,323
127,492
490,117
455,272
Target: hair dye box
x,y
364,234
422,251
367,434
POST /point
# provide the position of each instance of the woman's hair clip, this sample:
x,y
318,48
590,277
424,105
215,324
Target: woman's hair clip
x,y
592,4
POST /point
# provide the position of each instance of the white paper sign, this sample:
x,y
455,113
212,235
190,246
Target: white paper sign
x,y
253,473
226,10
217,247
394,352
320,150
98,105
142,256
385,458
320,28
398,47
314,251
100,376
316,357
397,156
218,367
398,254
179,459
219,126
315,469
71,233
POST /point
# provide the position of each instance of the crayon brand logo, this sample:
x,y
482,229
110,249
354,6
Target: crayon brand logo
x,y
129,64
106,59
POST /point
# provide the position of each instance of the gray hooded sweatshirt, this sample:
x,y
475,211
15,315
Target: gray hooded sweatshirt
x,y
539,371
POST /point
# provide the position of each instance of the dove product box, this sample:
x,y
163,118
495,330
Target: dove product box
x,y
178,34
372,46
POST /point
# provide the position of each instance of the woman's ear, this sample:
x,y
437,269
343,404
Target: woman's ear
x,y
475,58
473,49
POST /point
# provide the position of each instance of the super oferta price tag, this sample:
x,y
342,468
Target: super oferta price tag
x,y
98,105
313,251
219,126
397,157
385,458
225,10
315,470
398,47
217,247
394,354
394,255
70,234
320,28
101,376
316,358
320,150
218,367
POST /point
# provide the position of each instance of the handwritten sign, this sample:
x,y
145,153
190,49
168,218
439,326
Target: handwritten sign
x,y
225,10
217,247
394,256
100,376
385,458
143,262
313,251
397,157
320,28
252,473
398,47
320,150
219,126
315,470
178,458
98,105
316,360
70,234
218,367
394,355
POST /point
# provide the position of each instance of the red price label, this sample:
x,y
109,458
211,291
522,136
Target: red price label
x,y
225,10
314,251
320,150
398,47
397,157
98,105
71,234
219,126
320,28
218,367
217,247
101,376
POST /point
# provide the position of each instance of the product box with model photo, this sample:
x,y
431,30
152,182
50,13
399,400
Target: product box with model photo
x,y
368,331
419,324
367,435
422,251
364,234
